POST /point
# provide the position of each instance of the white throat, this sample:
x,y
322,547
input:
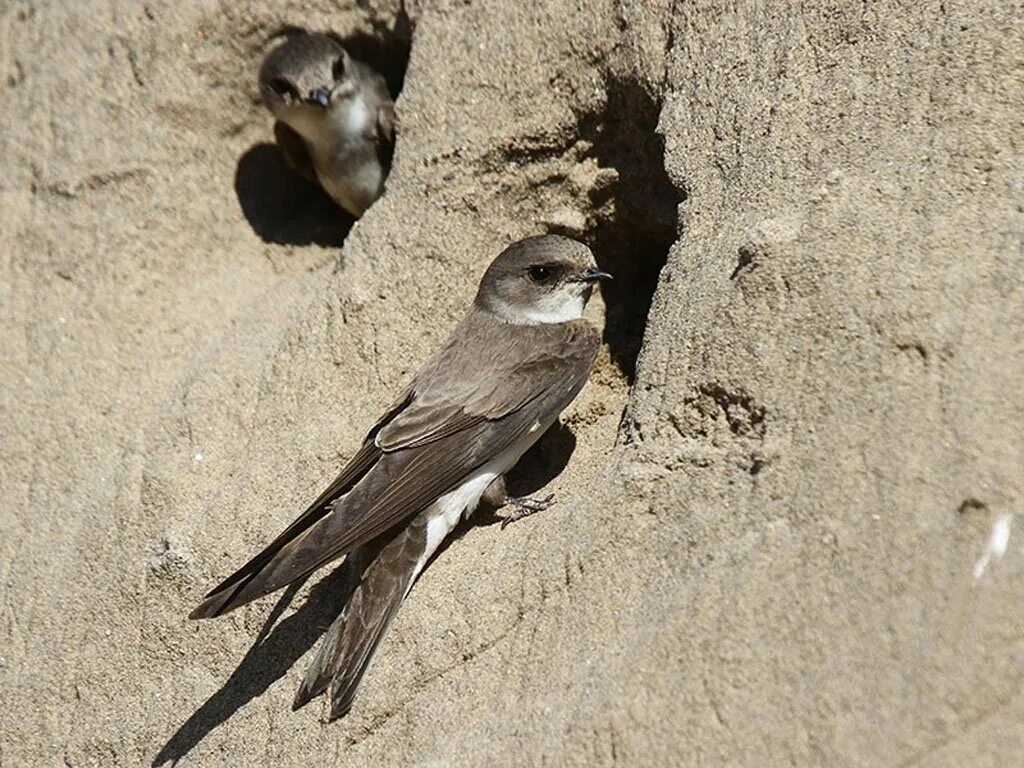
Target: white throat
x,y
555,308
345,122
350,120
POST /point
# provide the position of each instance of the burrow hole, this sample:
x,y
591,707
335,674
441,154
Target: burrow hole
x,y
632,221
281,206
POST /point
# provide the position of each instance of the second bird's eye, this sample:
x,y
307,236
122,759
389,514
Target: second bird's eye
x,y
540,274
339,68
282,87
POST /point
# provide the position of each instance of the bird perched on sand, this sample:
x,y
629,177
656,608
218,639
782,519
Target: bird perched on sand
x,y
335,117
517,359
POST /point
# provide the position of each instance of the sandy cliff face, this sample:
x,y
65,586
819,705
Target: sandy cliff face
x,y
769,510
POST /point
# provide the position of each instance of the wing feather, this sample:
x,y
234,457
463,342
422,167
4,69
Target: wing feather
x,y
217,600
399,485
426,444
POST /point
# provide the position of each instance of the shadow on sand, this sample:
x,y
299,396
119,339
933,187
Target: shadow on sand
x,y
277,648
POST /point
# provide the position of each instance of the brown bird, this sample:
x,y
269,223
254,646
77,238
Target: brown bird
x,y
517,359
335,117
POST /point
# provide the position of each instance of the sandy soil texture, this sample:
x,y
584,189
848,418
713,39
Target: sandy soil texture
x,y
788,525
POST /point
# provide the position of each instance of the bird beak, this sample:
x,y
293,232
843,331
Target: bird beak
x,y
592,275
320,97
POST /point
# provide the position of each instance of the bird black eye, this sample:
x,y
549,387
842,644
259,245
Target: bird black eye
x,y
540,274
282,87
338,70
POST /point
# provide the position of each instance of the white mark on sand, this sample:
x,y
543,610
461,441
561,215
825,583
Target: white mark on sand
x,y
995,548
197,456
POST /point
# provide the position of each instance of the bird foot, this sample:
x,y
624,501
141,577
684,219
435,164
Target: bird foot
x,y
524,507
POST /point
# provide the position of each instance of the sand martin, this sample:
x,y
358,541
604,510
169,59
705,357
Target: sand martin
x,y
335,117
517,359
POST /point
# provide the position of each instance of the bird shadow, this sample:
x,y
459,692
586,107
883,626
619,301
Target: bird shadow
x,y
280,644
284,208
274,652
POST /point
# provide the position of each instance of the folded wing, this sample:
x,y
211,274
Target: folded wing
x,y
420,450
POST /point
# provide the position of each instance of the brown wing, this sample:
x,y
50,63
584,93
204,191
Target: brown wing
x,y
385,127
416,455
384,134
545,371
353,472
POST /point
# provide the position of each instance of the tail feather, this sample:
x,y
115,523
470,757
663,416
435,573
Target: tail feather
x,y
351,643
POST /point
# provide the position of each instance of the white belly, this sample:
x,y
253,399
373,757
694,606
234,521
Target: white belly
x,y
447,510
354,119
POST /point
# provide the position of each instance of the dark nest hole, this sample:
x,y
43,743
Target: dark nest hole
x,y
635,216
280,204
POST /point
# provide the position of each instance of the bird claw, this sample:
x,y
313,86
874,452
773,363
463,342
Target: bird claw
x,y
524,507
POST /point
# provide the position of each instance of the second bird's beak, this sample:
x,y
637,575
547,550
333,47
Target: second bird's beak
x,y
594,274
320,97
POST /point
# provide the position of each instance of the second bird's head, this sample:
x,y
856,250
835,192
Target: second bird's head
x,y
309,73
542,279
